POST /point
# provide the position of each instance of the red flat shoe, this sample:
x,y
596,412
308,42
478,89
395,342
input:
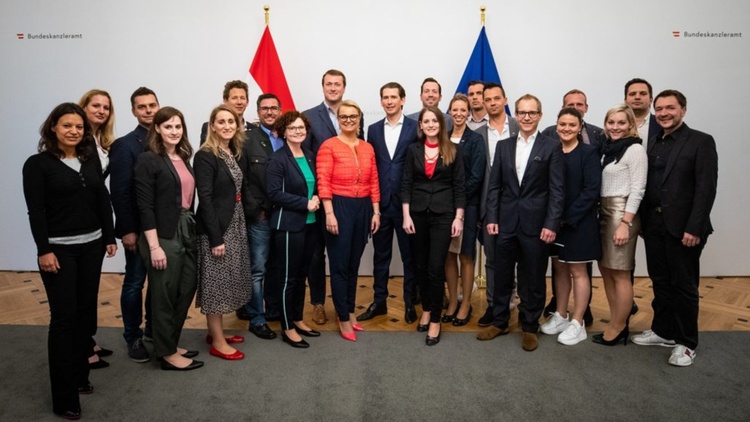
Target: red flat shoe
x,y
357,327
230,340
237,355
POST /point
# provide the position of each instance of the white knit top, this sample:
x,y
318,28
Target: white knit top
x,y
627,178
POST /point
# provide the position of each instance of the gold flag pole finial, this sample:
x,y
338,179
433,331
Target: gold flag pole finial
x,y
482,9
266,8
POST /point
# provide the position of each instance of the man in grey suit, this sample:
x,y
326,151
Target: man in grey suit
x,y
499,126
430,94
524,206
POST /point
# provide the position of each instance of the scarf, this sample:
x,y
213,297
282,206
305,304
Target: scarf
x,y
612,151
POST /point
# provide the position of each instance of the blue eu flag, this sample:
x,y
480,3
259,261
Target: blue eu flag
x,y
481,66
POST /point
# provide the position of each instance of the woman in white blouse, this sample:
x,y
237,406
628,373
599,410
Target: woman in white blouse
x,y
625,166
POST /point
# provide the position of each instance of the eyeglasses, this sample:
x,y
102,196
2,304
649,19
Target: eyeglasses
x,y
267,109
295,128
352,117
532,114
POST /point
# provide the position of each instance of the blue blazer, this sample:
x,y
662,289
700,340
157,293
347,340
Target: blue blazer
x,y
483,132
122,157
287,190
537,201
474,151
321,127
390,170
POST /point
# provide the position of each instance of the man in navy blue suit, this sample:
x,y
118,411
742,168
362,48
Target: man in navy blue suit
x,y
524,206
638,95
390,138
122,158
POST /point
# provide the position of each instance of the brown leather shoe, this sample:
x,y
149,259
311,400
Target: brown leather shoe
x,y
529,342
491,332
319,315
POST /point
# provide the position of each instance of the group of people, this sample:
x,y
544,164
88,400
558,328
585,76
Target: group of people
x,y
274,196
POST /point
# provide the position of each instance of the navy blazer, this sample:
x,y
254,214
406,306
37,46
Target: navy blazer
x,y
595,134
159,193
122,157
483,132
442,193
287,190
653,127
473,149
390,170
583,184
321,127
217,196
688,187
531,204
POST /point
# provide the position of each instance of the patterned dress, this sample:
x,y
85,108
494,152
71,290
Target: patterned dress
x,y
225,283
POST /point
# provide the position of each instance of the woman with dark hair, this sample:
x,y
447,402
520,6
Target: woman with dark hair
x,y
464,248
432,191
71,221
624,175
165,189
225,282
349,189
290,184
577,241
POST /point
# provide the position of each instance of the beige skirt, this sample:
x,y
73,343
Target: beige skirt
x,y
611,215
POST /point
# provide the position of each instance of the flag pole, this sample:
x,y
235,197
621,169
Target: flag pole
x,y
480,279
266,8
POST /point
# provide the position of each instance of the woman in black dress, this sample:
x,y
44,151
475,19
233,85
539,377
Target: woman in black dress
x,y
71,221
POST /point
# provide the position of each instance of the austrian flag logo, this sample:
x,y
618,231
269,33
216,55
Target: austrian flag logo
x,y
20,36
676,34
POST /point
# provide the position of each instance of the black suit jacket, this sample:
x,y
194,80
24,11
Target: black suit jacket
x,y
473,150
531,204
287,190
217,196
483,132
256,151
122,157
443,193
390,170
159,193
595,134
688,188
322,129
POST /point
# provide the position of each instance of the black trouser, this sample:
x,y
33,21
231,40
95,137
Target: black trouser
x,y
531,255
674,270
316,277
72,294
293,252
429,248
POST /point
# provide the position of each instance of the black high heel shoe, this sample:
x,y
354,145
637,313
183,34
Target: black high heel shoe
x,y
422,328
302,344
624,334
431,341
449,318
463,321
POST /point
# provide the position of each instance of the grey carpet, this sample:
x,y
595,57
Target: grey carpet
x,y
393,376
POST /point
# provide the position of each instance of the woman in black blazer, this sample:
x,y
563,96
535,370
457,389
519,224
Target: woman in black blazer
x,y
432,191
165,188
225,282
290,184
578,240
463,248
71,221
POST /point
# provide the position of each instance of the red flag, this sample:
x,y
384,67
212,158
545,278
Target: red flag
x,y
267,72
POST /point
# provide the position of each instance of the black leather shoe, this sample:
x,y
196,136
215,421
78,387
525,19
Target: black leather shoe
x,y
461,322
242,314
302,344
71,415
190,354
86,389
166,366
634,309
102,352
422,328
263,331
410,314
431,341
588,317
306,333
101,363
372,311
486,319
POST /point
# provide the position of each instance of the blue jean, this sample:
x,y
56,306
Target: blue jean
x,y
131,298
259,236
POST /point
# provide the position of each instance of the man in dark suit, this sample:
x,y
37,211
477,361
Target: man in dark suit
x,y
235,97
324,125
259,144
122,158
638,95
430,93
499,126
524,206
390,138
680,192
591,134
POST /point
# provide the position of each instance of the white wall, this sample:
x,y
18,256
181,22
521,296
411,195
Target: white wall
x,y
187,50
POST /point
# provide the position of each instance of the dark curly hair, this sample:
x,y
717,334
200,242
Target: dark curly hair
x,y
287,119
49,142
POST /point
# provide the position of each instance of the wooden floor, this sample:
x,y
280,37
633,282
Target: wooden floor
x,y
725,305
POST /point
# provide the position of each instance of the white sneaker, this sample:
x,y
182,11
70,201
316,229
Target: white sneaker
x,y
650,338
682,356
573,334
555,324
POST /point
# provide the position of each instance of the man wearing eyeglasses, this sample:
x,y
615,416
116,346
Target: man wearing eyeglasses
x,y
260,143
524,207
